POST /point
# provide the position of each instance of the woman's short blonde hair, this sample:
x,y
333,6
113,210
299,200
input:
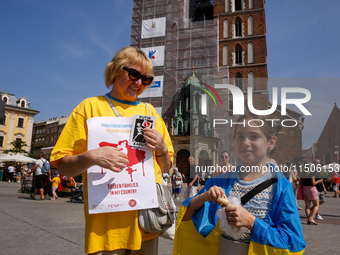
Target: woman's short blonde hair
x,y
128,57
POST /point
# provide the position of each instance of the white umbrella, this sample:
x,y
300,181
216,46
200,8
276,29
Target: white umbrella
x,y
17,158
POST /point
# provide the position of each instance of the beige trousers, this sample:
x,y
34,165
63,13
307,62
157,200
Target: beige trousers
x,y
148,248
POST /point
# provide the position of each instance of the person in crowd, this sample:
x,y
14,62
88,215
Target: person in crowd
x,y
55,183
310,195
322,191
193,179
226,166
177,182
335,184
40,177
18,170
127,75
294,180
270,219
166,178
11,171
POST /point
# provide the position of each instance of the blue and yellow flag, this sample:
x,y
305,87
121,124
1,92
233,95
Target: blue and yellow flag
x,y
283,235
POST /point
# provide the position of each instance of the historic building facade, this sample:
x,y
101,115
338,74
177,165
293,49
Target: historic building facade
x,y
197,44
18,123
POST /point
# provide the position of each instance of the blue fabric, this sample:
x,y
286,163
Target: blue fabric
x,y
284,228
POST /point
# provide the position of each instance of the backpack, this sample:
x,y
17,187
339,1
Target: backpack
x,y
45,167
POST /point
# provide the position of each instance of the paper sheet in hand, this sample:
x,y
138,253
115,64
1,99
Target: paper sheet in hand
x,y
133,188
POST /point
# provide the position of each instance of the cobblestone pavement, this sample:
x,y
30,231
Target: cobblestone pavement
x,y
48,227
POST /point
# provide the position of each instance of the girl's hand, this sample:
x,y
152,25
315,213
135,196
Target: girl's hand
x,y
155,141
110,158
239,217
214,193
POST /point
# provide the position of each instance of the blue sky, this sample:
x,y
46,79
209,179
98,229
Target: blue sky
x,y
54,52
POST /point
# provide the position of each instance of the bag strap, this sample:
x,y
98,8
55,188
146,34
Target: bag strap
x,y
257,189
112,106
115,110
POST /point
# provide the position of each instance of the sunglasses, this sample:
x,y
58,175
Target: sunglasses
x,y
224,157
135,75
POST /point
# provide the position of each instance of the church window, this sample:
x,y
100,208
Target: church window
x,y
238,52
251,4
250,25
225,29
238,81
251,80
250,53
5,100
238,27
238,5
23,103
225,55
226,6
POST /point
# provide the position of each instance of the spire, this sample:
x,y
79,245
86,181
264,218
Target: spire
x,y
193,70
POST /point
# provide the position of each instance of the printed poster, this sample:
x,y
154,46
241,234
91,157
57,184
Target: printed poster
x,y
133,188
156,54
153,27
155,90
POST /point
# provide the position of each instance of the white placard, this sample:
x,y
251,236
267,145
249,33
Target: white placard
x,y
133,188
156,54
156,89
153,27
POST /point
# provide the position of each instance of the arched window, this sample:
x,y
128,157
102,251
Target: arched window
x,y
251,4
238,81
23,103
238,27
225,28
226,6
5,100
250,53
250,25
225,55
251,80
238,53
238,5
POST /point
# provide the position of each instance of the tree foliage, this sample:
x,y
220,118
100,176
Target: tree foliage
x,y
17,147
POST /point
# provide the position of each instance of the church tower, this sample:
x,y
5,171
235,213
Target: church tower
x,y
242,46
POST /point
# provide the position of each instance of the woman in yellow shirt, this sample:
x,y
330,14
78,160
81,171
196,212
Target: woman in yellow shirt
x,y
130,72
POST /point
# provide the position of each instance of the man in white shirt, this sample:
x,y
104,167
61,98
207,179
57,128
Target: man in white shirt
x,y
40,177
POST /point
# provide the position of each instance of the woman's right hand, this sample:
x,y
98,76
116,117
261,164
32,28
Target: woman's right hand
x,y
110,158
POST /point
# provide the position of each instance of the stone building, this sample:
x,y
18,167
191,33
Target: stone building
x,y
200,44
18,123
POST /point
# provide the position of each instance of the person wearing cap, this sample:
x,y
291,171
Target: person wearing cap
x,y
55,182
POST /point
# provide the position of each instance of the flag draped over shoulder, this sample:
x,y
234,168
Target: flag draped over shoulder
x,y
282,236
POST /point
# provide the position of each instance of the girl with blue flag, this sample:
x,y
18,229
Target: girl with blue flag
x,y
269,221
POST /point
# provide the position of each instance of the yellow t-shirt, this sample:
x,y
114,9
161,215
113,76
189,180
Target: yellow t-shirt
x,y
55,181
106,231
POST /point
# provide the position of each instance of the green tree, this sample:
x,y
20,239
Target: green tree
x,y
17,147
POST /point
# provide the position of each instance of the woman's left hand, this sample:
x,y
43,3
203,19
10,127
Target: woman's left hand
x,y
155,141
239,217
